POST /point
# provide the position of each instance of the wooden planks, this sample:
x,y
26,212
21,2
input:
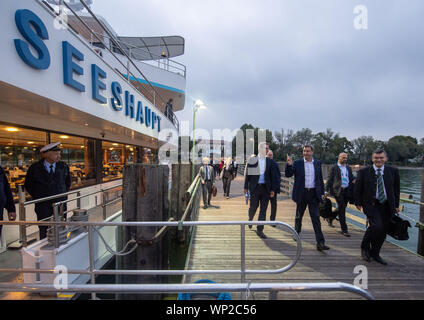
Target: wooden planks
x,y
218,248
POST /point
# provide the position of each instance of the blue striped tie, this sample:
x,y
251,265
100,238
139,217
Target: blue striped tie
x,y
380,185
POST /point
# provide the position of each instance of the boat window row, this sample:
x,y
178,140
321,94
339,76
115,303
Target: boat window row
x,y
91,161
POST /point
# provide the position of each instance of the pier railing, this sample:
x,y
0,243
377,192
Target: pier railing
x,y
244,286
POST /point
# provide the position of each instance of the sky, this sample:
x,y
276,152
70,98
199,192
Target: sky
x,y
292,64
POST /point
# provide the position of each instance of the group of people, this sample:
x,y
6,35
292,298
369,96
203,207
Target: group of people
x,y
226,171
45,178
375,191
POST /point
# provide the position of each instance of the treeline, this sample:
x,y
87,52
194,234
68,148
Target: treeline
x,y
401,150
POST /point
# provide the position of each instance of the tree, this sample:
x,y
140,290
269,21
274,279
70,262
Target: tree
x,y
402,148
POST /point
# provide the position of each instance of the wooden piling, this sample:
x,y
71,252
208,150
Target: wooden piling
x,y
145,198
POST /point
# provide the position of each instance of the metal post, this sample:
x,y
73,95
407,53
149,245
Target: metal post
x,y
78,200
90,255
128,66
104,205
22,216
194,144
273,295
243,254
55,227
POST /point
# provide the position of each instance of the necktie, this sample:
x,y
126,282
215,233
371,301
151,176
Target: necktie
x,y
207,173
51,170
380,185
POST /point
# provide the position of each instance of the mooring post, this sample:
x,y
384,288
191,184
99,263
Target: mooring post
x,y
420,247
145,198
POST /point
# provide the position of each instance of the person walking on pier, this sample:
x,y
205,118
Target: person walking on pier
x,y
45,178
308,190
340,186
260,183
377,193
277,176
235,166
207,178
227,175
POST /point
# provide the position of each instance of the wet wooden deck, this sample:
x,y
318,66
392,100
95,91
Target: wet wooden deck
x,y
219,248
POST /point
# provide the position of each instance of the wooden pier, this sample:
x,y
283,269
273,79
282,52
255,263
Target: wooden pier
x,y
218,248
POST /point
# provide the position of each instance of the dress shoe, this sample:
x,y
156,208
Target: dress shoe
x,y
261,234
330,222
321,246
365,255
205,207
380,260
345,233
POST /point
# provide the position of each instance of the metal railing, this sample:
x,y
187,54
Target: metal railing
x,y
113,48
169,288
58,212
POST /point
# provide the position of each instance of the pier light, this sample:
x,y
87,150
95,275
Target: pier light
x,y
198,104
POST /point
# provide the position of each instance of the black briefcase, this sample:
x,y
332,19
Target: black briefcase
x,y
398,228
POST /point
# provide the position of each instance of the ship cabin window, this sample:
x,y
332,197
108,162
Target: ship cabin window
x,y
19,148
79,154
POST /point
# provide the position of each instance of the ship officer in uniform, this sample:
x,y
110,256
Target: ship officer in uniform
x,y
45,178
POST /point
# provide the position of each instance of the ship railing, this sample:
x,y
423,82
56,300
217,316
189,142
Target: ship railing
x,y
114,48
244,286
58,207
159,61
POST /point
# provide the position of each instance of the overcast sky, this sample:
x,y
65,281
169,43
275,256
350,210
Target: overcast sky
x,y
292,63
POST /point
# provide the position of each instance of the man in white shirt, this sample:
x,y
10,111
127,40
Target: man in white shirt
x,y
308,190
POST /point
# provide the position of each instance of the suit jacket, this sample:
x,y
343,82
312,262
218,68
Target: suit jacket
x,y
227,173
6,198
334,182
366,187
40,184
251,177
298,170
277,176
202,172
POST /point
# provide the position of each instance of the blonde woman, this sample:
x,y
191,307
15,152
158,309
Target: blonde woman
x,y
226,176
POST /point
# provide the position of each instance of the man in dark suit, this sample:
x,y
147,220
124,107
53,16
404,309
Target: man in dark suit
x,y
207,178
6,198
45,178
277,176
260,183
308,190
377,193
340,186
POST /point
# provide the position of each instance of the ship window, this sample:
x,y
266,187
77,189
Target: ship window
x,y
19,148
79,154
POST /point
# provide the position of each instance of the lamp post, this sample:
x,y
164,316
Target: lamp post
x,y
198,104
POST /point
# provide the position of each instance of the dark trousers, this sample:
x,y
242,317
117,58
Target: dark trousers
x,y
45,210
207,192
226,182
379,216
259,196
273,202
309,199
342,201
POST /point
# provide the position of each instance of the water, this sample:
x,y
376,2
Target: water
x,y
410,183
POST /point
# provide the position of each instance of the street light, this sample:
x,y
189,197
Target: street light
x,y
198,104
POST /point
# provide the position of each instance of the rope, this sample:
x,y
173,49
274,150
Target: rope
x,y
119,253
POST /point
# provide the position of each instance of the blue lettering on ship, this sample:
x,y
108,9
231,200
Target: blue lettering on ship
x,y
34,31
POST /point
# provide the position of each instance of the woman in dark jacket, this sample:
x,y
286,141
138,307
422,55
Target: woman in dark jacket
x,y
6,198
227,176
